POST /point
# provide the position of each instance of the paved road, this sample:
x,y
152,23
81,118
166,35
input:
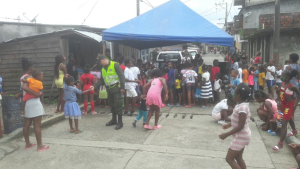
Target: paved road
x,y
188,139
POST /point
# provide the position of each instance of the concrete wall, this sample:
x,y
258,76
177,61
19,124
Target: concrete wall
x,y
256,2
252,21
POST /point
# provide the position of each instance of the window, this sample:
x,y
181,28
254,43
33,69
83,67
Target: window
x,y
193,53
171,55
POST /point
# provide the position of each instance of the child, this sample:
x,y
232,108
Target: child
x,y
72,110
261,78
130,85
270,76
255,78
287,91
214,70
235,82
240,119
198,89
296,152
268,110
217,86
286,63
245,74
153,97
178,89
240,74
251,82
171,80
86,81
142,112
143,82
183,83
223,110
276,120
35,84
190,77
103,96
278,75
206,89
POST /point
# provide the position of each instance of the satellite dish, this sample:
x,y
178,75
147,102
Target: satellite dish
x,y
247,14
34,19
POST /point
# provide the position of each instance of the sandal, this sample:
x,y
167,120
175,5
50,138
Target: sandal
x,y
56,111
293,133
45,148
187,106
78,132
156,127
276,148
273,133
269,131
134,124
72,130
94,113
32,145
148,127
84,113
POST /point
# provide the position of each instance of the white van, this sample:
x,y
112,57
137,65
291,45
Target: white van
x,y
172,56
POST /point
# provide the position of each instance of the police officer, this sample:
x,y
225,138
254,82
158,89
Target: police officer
x,y
114,80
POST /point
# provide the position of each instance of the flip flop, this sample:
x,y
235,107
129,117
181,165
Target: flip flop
x,y
80,131
187,106
204,107
148,127
32,145
293,133
134,124
72,130
45,148
156,127
269,131
276,148
273,134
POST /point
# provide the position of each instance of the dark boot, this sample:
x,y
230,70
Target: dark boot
x,y
120,122
113,121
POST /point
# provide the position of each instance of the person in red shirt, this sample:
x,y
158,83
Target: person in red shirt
x,y
120,61
214,70
228,59
257,59
86,81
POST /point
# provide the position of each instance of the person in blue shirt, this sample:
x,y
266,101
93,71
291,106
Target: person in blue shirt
x,y
171,80
255,78
235,82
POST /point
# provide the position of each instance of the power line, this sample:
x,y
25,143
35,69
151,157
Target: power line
x,y
76,9
213,12
208,10
147,4
90,12
150,4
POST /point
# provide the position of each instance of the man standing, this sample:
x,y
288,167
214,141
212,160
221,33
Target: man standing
x,y
71,67
114,80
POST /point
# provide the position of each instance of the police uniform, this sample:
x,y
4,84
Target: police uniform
x,y
114,80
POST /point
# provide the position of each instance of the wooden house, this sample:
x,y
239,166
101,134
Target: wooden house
x,y
41,50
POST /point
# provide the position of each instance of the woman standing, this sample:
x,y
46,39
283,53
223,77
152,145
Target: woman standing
x,y
60,71
33,110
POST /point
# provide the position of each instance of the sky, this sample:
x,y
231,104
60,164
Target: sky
x,y
103,13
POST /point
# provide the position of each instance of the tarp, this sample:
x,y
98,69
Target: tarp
x,y
168,24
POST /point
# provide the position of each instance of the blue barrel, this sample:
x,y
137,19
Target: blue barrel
x,y
11,111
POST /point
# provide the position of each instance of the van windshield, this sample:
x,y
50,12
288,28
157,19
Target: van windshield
x,y
193,53
171,55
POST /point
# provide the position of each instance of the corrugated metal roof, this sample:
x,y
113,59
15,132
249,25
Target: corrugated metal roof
x,y
90,35
86,34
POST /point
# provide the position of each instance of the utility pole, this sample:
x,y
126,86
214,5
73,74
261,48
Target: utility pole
x,y
226,18
138,7
276,32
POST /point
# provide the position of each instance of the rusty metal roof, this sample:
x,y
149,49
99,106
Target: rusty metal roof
x,y
86,34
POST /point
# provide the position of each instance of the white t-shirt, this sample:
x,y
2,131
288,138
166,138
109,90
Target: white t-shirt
x,y
240,75
135,71
190,76
284,67
129,75
206,75
278,73
217,85
219,107
269,75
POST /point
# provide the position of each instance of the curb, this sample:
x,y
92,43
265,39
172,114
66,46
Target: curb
x,y
48,122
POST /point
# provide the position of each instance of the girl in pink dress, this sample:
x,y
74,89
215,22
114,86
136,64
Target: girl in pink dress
x,y
240,132
153,97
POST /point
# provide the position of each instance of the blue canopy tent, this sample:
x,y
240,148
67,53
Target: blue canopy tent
x,y
168,24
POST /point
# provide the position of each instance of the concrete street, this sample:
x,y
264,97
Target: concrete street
x,y
188,139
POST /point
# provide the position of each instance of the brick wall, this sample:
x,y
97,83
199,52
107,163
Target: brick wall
x,y
287,20
297,20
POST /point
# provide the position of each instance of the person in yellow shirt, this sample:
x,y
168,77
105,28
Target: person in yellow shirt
x,y
245,75
261,78
178,89
35,84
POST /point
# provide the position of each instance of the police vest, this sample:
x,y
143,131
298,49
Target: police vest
x,y
110,76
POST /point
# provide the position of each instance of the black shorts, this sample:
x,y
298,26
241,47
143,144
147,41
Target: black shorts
x,y
261,88
178,90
